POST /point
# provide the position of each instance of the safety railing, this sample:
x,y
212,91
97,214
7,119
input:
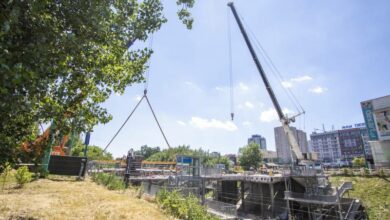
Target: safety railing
x,y
220,208
310,197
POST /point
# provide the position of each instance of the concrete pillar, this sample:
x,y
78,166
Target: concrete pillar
x,y
149,187
243,195
261,200
203,185
271,190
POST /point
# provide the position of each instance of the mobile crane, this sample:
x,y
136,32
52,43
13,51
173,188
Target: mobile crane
x,y
302,159
315,191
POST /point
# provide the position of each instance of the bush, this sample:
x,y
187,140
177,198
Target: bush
x,y
381,173
358,162
187,208
4,175
346,171
366,172
111,181
23,176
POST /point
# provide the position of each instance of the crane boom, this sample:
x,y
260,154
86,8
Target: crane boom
x,y
296,151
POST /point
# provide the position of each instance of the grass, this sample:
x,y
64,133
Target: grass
x,y
374,192
66,198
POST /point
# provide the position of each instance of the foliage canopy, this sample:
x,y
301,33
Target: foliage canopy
x,y
61,59
146,151
169,155
250,156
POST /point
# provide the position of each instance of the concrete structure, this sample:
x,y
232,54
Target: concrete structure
x,y
376,114
282,146
269,156
232,157
288,194
215,154
258,139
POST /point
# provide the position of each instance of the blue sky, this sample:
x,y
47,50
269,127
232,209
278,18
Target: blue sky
x,y
332,55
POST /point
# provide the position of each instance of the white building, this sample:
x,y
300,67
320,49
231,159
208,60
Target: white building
x,y
327,146
282,146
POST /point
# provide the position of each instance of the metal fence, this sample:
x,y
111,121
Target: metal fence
x,y
357,171
215,172
224,210
153,189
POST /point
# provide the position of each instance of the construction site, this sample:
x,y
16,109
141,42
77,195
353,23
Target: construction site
x,y
299,190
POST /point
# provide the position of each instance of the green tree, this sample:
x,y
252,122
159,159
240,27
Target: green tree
x,y
93,153
146,151
250,156
169,155
60,59
358,162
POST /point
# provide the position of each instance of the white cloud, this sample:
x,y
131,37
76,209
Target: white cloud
x,y
138,97
188,83
271,115
249,105
289,83
213,123
246,123
220,89
243,87
318,90
192,85
181,123
301,78
261,104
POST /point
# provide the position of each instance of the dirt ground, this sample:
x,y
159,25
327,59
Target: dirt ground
x,y
71,199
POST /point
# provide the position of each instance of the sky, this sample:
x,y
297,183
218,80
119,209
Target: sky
x,y
331,54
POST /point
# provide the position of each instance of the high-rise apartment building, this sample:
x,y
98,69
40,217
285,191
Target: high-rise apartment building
x,y
341,146
327,146
258,139
282,145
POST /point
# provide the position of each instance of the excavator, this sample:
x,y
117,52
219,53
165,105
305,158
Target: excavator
x,y
37,145
56,160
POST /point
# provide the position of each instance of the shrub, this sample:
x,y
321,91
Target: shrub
x,y
23,176
187,208
366,172
346,171
111,181
381,173
6,171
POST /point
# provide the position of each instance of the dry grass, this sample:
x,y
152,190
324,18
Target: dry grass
x,y
70,199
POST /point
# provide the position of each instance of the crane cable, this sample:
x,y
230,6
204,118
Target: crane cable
x,y
146,84
230,66
128,117
274,69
